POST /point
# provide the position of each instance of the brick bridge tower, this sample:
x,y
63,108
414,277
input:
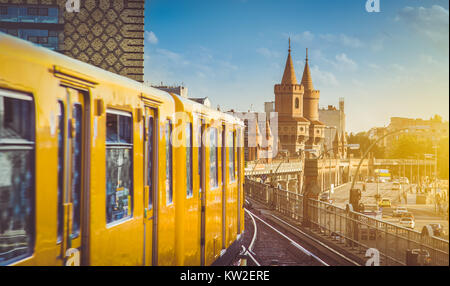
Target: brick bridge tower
x,y
293,128
311,110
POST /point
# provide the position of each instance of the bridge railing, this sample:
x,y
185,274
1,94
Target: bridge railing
x,y
355,231
361,232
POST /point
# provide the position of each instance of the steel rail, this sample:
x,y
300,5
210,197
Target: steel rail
x,y
298,246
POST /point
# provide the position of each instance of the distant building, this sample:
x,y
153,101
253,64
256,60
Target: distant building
x,y
258,139
332,116
269,107
179,90
377,132
203,100
106,34
421,129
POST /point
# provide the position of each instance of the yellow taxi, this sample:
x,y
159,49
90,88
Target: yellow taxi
x,y
384,203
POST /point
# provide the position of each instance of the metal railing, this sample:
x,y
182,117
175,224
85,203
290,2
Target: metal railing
x,y
355,231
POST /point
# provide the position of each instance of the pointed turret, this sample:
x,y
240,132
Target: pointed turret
x,y
311,96
306,79
289,72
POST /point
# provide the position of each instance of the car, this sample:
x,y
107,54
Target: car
x,y
398,211
373,211
396,186
407,222
407,214
370,180
384,203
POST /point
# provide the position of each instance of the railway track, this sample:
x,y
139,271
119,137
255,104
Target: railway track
x,y
265,245
269,241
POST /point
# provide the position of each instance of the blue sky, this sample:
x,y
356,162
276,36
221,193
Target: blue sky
x,y
392,63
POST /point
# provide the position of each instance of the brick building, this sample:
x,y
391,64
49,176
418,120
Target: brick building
x,y
297,105
106,33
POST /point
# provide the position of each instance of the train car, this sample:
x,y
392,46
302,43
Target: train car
x,y
211,197
93,170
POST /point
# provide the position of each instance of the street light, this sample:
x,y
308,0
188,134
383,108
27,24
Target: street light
x,y
373,144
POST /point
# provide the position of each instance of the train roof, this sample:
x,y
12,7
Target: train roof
x,y
194,106
46,57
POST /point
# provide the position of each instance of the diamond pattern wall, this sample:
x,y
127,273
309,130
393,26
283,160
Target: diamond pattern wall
x,y
106,33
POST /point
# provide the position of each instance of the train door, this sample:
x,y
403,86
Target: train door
x,y
224,185
74,141
150,187
239,190
202,189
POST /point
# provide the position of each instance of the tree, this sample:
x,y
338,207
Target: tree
x,y
362,138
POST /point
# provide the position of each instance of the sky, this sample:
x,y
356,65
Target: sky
x,y
391,63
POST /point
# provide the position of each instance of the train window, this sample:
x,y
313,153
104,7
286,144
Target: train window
x,y
119,166
213,176
32,11
231,167
16,176
43,11
150,162
189,167
169,183
60,208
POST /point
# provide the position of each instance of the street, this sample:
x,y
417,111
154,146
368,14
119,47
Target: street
x,y
423,213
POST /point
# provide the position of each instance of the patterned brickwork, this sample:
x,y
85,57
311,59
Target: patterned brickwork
x,y
106,33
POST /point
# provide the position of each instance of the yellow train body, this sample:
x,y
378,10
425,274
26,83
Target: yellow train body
x,y
107,187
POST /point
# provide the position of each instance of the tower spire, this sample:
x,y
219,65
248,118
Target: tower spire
x,y
289,72
306,79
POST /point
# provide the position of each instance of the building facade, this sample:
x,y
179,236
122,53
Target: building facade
x,y
332,116
434,129
259,141
105,33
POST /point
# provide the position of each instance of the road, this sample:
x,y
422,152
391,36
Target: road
x,y
424,214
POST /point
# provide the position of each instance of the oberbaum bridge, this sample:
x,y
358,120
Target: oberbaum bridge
x,y
292,166
296,145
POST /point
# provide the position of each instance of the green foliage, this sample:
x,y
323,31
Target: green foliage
x,y
362,138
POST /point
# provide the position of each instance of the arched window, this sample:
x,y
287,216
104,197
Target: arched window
x,y
297,103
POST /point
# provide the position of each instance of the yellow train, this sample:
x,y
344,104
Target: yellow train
x,y
97,169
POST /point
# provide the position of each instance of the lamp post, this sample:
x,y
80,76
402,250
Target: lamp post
x,y
370,148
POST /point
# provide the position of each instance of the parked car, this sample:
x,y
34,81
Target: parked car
x,y
385,203
370,180
407,222
398,211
